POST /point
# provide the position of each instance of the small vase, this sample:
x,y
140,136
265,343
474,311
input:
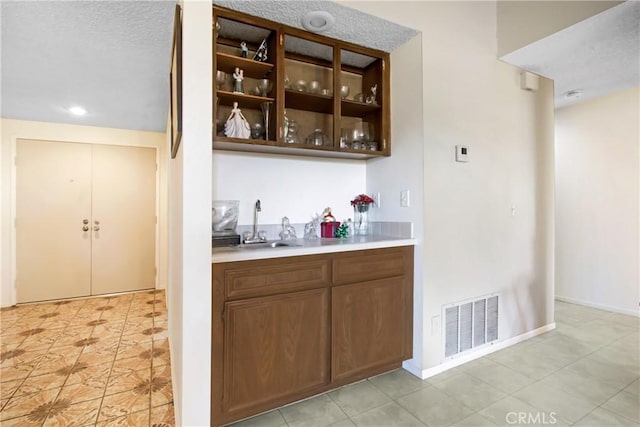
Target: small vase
x,y
360,220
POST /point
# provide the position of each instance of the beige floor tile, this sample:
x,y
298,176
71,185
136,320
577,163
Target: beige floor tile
x,y
35,384
128,381
20,356
25,421
97,357
121,404
398,383
499,376
579,385
319,411
89,374
358,398
80,392
625,404
7,389
566,406
475,420
135,419
129,348
470,391
66,412
603,418
633,388
434,407
161,354
37,405
160,386
388,415
12,373
506,412
131,364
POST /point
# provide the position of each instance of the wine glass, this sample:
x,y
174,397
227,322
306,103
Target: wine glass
x,y
264,86
221,78
344,91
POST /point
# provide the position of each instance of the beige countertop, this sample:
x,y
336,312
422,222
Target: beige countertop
x,y
309,247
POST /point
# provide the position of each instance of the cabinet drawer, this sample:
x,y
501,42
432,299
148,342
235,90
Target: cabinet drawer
x,y
362,266
256,279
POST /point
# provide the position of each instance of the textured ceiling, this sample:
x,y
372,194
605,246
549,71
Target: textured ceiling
x,y
110,57
599,55
350,25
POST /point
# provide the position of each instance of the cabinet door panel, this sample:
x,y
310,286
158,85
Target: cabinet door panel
x,y
274,347
368,326
260,278
368,265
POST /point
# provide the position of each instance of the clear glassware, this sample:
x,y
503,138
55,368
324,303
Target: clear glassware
x,y
221,79
317,137
344,91
292,132
264,87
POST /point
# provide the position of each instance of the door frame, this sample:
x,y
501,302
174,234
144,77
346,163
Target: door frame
x,y
104,136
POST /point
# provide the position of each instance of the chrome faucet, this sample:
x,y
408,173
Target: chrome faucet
x,y
255,236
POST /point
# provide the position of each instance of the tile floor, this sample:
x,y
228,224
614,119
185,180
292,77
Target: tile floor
x,y
94,362
584,373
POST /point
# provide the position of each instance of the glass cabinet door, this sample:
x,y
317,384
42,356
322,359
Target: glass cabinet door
x,y
308,119
362,96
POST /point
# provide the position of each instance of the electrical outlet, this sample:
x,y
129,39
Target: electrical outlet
x,y
405,200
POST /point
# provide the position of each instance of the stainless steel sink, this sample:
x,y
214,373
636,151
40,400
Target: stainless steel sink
x,y
266,245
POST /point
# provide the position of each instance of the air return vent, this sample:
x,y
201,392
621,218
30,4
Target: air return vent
x,y
470,324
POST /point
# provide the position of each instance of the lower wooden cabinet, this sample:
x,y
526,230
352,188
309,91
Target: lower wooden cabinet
x,y
367,325
275,347
295,332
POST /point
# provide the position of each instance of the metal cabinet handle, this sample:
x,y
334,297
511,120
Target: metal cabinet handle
x,y
96,228
96,222
85,221
85,228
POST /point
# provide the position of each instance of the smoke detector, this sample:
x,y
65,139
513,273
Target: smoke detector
x,y
318,21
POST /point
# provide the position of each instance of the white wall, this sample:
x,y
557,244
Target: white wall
x,y
22,129
189,303
292,186
472,243
598,191
404,170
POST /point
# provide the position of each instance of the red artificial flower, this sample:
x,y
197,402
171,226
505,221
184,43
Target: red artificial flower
x,y
362,199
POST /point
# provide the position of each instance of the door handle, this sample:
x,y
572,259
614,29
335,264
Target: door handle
x,y
85,228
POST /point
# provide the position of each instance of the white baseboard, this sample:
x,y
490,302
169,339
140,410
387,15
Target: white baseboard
x,y
452,363
599,306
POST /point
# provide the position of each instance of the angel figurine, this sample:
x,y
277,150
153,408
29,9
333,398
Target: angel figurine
x,y
237,125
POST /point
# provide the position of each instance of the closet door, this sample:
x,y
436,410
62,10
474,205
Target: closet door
x,y
53,200
123,225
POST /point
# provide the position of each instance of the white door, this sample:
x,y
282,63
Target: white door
x,y
124,212
60,186
53,198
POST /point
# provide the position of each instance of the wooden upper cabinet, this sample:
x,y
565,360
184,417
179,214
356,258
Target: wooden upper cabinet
x,y
319,85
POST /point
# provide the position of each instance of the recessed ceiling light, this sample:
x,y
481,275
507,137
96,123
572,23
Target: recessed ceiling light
x,y
573,94
77,111
318,21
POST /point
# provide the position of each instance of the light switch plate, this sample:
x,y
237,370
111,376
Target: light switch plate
x,y
462,153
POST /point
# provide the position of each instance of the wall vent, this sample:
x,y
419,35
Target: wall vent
x,y
470,324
